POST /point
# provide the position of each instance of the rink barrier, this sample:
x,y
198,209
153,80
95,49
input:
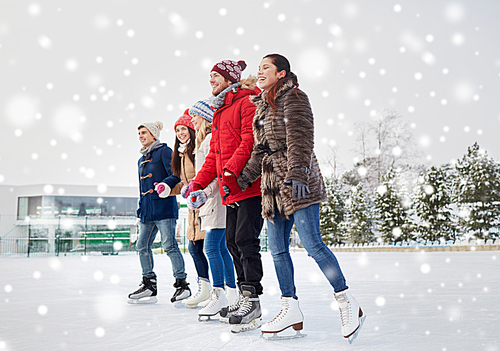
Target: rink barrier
x,y
450,245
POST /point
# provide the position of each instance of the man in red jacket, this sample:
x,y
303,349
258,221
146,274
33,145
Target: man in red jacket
x,y
230,148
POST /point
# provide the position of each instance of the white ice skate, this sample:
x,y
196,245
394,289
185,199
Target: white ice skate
x,y
351,315
248,316
231,295
145,294
289,316
216,303
202,295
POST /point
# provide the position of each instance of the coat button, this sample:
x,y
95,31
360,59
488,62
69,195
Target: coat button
x,y
217,152
216,128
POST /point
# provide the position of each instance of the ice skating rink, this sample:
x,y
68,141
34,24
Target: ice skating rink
x,y
414,301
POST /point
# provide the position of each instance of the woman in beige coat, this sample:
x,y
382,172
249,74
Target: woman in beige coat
x,y
183,166
212,218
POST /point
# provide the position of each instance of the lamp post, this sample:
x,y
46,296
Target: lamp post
x,y
28,219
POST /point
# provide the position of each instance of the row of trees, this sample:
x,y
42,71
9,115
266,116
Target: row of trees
x,y
385,197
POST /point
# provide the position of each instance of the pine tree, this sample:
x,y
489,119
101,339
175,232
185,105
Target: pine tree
x,y
392,205
332,212
432,204
477,191
359,220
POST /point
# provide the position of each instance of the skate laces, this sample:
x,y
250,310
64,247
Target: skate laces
x,y
214,297
236,304
284,310
245,307
198,293
345,308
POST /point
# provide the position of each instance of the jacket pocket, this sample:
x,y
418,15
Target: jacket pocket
x,y
233,132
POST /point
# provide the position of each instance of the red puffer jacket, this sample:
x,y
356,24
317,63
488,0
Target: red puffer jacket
x,y
231,144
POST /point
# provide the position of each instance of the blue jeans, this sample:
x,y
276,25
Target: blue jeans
x,y
199,258
221,263
307,222
147,234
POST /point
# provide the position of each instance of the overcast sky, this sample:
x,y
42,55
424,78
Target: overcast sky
x,y
77,78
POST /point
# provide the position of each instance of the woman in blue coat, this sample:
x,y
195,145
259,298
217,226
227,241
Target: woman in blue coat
x,y
157,211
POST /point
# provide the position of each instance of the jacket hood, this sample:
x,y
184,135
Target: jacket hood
x,y
249,83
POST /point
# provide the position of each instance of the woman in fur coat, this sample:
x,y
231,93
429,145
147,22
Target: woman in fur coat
x,y
292,189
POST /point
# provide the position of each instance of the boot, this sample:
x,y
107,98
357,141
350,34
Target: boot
x,y
202,294
226,312
289,316
231,295
249,314
351,315
217,301
146,293
182,290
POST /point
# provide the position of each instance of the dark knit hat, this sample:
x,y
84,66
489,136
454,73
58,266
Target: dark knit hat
x,y
231,70
184,120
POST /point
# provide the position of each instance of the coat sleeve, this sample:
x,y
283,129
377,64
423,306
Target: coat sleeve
x,y
242,153
140,197
299,126
252,170
208,171
166,157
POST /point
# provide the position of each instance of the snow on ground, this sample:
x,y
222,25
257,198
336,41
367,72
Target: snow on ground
x,y
414,301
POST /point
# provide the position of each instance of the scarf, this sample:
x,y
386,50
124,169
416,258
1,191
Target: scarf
x,y
146,150
217,101
182,147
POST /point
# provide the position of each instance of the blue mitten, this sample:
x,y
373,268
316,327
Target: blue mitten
x,y
196,199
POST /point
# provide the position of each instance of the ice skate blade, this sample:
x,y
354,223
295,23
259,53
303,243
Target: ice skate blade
x,y
275,336
179,304
193,307
143,300
355,334
238,328
204,319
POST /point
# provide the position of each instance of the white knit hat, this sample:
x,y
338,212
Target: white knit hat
x,y
153,127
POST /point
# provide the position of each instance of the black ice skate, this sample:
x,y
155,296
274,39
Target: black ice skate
x,y
146,293
228,311
249,314
182,290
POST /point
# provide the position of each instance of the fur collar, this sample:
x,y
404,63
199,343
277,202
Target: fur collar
x,y
260,101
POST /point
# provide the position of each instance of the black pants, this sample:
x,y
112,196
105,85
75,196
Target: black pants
x,y
243,225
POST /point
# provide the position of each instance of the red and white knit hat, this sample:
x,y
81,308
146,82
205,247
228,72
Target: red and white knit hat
x,y
231,70
184,120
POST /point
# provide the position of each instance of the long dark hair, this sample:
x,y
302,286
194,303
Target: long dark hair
x,y
282,64
176,159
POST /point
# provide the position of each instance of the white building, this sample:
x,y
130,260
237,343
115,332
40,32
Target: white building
x,y
53,218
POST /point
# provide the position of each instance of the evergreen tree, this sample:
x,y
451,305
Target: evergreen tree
x,y
477,191
392,205
332,212
432,204
359,220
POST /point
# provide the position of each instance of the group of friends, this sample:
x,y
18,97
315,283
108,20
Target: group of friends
x,y
241,157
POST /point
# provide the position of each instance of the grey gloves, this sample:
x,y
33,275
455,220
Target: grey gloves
x,y
299,189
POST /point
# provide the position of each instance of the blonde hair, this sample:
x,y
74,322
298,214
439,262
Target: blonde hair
x,y
201,134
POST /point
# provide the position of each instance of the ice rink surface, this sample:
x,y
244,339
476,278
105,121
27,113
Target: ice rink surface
x,y
413,301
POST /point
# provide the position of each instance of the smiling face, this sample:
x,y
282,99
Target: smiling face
x,y
197,120
268,74
182,133
145,137
218,83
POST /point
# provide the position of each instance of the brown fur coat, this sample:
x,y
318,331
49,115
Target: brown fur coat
x,y
283,150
